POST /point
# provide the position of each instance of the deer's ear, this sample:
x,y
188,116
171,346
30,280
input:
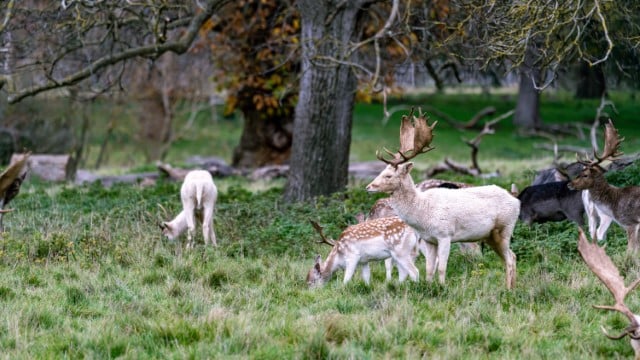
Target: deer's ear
x,y
405,168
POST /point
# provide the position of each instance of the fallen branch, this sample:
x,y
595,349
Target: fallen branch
x,y
474,169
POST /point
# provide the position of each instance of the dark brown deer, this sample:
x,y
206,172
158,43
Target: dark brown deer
x,y
444,216
601,265
10,181
621,204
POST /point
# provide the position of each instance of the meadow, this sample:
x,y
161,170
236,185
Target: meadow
x,y
84,272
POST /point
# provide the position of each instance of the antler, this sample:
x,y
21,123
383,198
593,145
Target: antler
x,y
611,143
601,265
318,229
611,146
11,179
415,138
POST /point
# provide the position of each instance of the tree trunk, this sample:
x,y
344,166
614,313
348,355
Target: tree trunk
x,y
527,115
322,128
591,81
264,141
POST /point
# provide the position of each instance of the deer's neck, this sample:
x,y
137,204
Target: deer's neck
x,y
602,192
330,265
405,201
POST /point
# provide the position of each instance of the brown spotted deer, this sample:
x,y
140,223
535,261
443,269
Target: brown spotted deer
x,y
380,211
601,265
621,204
377,239
443,216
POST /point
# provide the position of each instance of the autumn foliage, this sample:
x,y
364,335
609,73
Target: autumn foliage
x,y
254,43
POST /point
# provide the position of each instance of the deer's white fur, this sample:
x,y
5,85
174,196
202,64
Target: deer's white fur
x,y
376,239
599,221
198,194
443,216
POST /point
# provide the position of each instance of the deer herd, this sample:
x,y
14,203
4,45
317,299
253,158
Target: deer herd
x,y
433,215
428,219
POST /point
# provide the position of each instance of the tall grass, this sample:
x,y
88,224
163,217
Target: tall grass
x,y
84,273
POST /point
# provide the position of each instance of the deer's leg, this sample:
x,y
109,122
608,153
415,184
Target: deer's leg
x,y
1,215
366,273
207,226
191,225
349,270
632,239
388,266
406,267
499,242
430,259
444,247
592,213
605,222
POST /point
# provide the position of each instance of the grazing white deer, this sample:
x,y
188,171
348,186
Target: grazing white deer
x,y
601,265
620,204
377,239
198,194
442,216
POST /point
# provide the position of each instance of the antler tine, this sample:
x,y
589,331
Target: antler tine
x,y
423,135
612,142
415,138
628,331
407,133
318,229
601,265
396,158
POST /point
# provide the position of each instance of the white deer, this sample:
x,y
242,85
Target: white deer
x,y
198,194
377,239
444,216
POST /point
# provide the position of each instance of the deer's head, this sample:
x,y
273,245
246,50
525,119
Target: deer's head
x,y
167,230
593,173
314,277
415,138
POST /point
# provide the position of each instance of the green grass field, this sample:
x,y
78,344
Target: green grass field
x,y
84,272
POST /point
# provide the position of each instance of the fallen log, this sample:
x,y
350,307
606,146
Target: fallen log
x,y
47,167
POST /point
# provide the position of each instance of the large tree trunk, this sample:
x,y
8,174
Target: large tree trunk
x,y
264,141
591,81
527,115
322,128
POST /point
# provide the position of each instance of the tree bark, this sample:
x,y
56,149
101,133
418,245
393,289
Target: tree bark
x,y
266,136
591,81
264,141
527,115
320,149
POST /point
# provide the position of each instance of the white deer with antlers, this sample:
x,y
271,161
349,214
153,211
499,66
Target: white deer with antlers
x,y
601,265
621,204
377,239
444,216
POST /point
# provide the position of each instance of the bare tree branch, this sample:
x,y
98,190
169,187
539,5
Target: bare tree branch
x,y
154,50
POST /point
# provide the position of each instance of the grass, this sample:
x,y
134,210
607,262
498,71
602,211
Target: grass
x,y
84,273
